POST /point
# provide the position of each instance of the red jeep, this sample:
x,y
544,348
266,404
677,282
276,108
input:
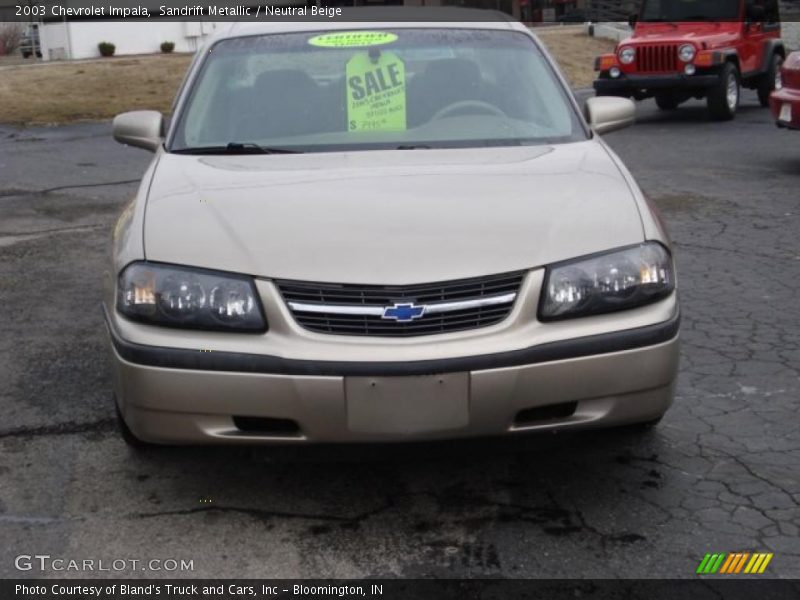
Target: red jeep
x,y
785,100
682,49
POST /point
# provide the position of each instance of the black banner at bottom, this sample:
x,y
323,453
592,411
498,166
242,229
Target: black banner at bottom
x,y
391,589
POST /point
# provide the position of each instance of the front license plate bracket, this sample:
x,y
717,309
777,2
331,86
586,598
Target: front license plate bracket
x,y
407,405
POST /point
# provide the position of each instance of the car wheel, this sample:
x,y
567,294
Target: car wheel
x,y
667,102
26,55
128,436
771,80
723,98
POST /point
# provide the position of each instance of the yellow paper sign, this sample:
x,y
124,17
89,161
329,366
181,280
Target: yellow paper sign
x,y
352,39
376,92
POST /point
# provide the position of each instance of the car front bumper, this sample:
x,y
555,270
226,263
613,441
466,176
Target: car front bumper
x,y
171,390
779,101
629,85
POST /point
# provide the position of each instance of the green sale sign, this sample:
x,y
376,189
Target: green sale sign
x,y
376,92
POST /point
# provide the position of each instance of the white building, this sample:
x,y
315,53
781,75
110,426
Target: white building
x,y
79,39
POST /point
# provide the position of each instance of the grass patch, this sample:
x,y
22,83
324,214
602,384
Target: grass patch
x,y
89,90
575,52
100,89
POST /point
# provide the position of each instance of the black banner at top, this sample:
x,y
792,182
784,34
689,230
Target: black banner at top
x,y
542,11
254,10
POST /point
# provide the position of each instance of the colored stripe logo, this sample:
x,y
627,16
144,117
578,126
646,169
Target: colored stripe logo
x,y
734,563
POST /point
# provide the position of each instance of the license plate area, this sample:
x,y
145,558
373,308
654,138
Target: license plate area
x,y
786,113
407,405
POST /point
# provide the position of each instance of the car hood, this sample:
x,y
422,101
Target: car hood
x,y
703,35
389,217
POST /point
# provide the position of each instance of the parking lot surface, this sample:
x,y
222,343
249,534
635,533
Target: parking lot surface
x,y
720,474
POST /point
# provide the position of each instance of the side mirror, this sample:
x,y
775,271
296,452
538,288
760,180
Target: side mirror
x,y
140,128
755,13
609,113
632,20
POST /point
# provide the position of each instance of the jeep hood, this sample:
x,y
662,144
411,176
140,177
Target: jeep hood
x,y
703,35
389,217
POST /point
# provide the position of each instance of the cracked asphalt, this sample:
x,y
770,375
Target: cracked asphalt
x,y
720,474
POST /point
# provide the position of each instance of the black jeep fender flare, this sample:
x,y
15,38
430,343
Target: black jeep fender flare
x,y
727,55
771,47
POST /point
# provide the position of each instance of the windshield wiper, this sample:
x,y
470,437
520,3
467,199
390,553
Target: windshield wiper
x,y
236,148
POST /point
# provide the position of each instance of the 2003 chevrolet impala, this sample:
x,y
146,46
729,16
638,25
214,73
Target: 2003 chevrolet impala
x,y
394,232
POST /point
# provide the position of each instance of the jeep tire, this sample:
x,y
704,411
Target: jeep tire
x,y
667,101
723,98
770,80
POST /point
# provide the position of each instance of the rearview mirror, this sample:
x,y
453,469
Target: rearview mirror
x,y
609,113
140,128
632,20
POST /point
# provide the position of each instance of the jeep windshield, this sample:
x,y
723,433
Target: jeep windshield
x,y
654,11
383,88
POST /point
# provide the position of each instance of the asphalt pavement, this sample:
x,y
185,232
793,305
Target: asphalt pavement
x,y
720,474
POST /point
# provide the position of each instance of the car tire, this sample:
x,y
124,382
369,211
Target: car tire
x,y
127,435
26,55
667,102
771,80
723,98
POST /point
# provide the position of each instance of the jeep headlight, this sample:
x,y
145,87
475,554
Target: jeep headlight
x,y
687,52
188,297
608,282
627,55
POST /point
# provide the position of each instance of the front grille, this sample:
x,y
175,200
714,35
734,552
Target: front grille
x,y
323,307
657,59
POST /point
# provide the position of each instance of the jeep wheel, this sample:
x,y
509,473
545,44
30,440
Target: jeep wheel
x,y
667,102
771,80
723,98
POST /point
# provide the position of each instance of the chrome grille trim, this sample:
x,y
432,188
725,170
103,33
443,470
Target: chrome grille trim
x,y
362,310
377,311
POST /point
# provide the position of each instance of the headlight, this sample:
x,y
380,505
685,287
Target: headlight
x,y
686,53
608,282
188,297
627,55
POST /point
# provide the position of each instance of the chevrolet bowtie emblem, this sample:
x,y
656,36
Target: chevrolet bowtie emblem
x,y
403,313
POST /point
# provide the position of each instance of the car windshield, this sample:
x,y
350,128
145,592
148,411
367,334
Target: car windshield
x,y
690,10
376,89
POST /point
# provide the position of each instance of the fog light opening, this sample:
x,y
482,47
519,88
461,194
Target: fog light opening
x,y
690,69
541,414
614,72
267,426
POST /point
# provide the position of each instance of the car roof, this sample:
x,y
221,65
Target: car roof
x,y
380,17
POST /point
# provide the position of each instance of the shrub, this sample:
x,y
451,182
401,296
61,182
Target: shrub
x,y
106,48
167,47
11,35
